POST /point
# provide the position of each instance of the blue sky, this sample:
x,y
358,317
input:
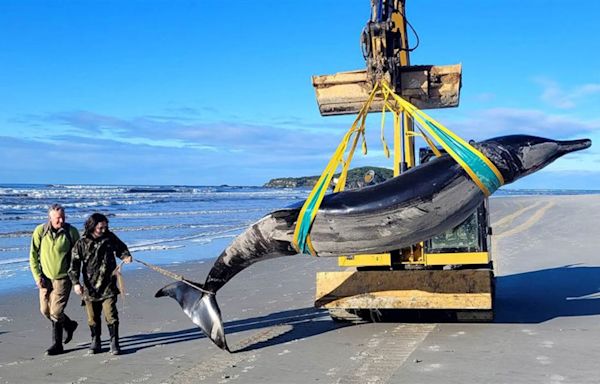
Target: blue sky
x,y
219,92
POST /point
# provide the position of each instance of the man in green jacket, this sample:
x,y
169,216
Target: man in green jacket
x,y
49,259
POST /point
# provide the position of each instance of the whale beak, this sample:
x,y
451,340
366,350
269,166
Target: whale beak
x,y
573,145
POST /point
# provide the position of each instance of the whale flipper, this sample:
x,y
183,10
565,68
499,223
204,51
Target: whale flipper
x,y
202,308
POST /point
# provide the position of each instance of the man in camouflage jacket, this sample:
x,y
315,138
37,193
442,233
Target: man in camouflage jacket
x,y
94,257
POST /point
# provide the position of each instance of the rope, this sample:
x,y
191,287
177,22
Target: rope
x,y
171,275
120,283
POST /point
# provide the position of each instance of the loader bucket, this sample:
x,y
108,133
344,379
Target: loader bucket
x,y
425,86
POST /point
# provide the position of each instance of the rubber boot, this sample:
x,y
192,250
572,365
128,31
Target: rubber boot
x,y
115,349
95,344
70,326
57,347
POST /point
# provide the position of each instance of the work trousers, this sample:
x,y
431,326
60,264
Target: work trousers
x,y
95,308
54,297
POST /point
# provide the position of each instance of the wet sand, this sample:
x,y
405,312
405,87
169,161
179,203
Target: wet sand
x,y
547,326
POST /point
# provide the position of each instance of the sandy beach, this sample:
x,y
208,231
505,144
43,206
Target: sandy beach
x,y
546,328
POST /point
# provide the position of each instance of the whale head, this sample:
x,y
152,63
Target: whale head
x,y
516,156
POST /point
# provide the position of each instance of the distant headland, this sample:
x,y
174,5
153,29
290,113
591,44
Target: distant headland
x,y
357,178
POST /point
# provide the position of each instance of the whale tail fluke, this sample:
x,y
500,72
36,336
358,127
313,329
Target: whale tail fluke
x,y
201,308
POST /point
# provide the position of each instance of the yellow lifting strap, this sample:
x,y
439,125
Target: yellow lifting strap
x,y
481,170
387,107
309,210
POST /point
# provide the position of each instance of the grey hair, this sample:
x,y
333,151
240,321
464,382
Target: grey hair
x,y
55,207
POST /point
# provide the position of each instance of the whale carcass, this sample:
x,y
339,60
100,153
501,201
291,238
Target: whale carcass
x,y
422,202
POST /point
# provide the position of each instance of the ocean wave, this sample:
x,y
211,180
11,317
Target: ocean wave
x,y
8,266
167,226
154,248
8,235
137,246
7,274
12,194
151,190
13,249
153,219
186,213
83,191
20,234
210,239
84,215
204,235
81,204
16,260
8,271
86,186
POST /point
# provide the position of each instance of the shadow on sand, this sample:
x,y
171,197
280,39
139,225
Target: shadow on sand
x,y
301,322
538,296
530,297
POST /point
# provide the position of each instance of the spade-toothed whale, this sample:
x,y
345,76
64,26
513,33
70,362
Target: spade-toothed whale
x,y
422,202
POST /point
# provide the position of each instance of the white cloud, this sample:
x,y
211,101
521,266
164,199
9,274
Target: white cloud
x,y
284,138
484,97
99,148
488,123
554,95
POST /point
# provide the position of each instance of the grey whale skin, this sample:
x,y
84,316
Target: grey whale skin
x,y
427,200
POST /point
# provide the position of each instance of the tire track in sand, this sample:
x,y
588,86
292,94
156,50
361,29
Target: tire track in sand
x,y
221,368
386,353
537,215
506,220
